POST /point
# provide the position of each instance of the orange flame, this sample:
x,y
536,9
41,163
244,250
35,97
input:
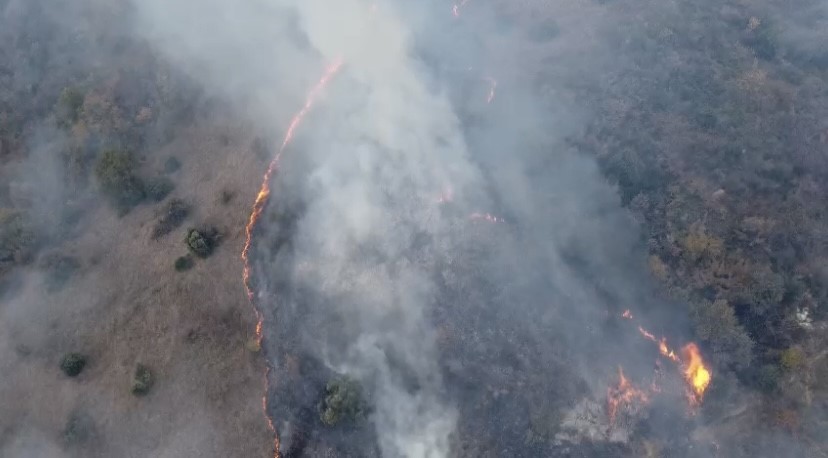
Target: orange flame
x,y
623,395
646,334
259,206
695,372
666,351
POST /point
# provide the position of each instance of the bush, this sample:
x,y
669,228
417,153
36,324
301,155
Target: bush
x,y
79,428
69,106
157,189
72,364
716,324
342,403
115,171
142,381
16,237
184,263
767,379
202,242
175,214
172,165
226,196
792,359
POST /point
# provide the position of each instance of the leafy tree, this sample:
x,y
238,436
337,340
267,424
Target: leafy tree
x,y
342,403
115,171
16,237
202,242
69,106
716,324
183,263
142,381
72,364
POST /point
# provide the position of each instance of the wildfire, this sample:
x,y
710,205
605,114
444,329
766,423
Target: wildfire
x,y
695,372
666,351
647,335
259,206
625,394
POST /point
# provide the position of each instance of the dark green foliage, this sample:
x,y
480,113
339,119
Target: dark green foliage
x,y
69,106
201,242
767,377
716,324
72,364
184,263
343,402
16,237
79,428
115,171
142,380
174,214
158,188
172,165
226,196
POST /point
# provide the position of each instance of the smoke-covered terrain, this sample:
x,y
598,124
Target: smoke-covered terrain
x,y
488,228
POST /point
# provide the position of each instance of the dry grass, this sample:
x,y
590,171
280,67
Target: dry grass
x,y
127,309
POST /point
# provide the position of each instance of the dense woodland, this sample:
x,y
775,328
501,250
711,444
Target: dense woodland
x,y
714,127
715,132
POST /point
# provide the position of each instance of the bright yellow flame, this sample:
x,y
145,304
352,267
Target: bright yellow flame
x,y
697,375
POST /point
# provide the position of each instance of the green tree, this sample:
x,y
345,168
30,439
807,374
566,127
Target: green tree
x,y
716,324
342,403
115,171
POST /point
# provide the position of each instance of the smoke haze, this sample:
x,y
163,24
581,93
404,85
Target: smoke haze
x,y
436,238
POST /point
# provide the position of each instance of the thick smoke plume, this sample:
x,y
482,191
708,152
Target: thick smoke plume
x,y
373,252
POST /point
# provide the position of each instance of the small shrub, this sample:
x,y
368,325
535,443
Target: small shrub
x,y
184,263
768,377
72,364
342,402
142,381
792,359
79,428
172,165
115,171
226,196
175,214
69,106
157,189
16,237
202,242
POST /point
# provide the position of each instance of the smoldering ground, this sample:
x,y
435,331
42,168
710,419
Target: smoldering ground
x,y
433,235
454,327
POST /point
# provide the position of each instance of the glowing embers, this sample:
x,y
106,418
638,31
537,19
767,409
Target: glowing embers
x,y
258,207
624,395
691,365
